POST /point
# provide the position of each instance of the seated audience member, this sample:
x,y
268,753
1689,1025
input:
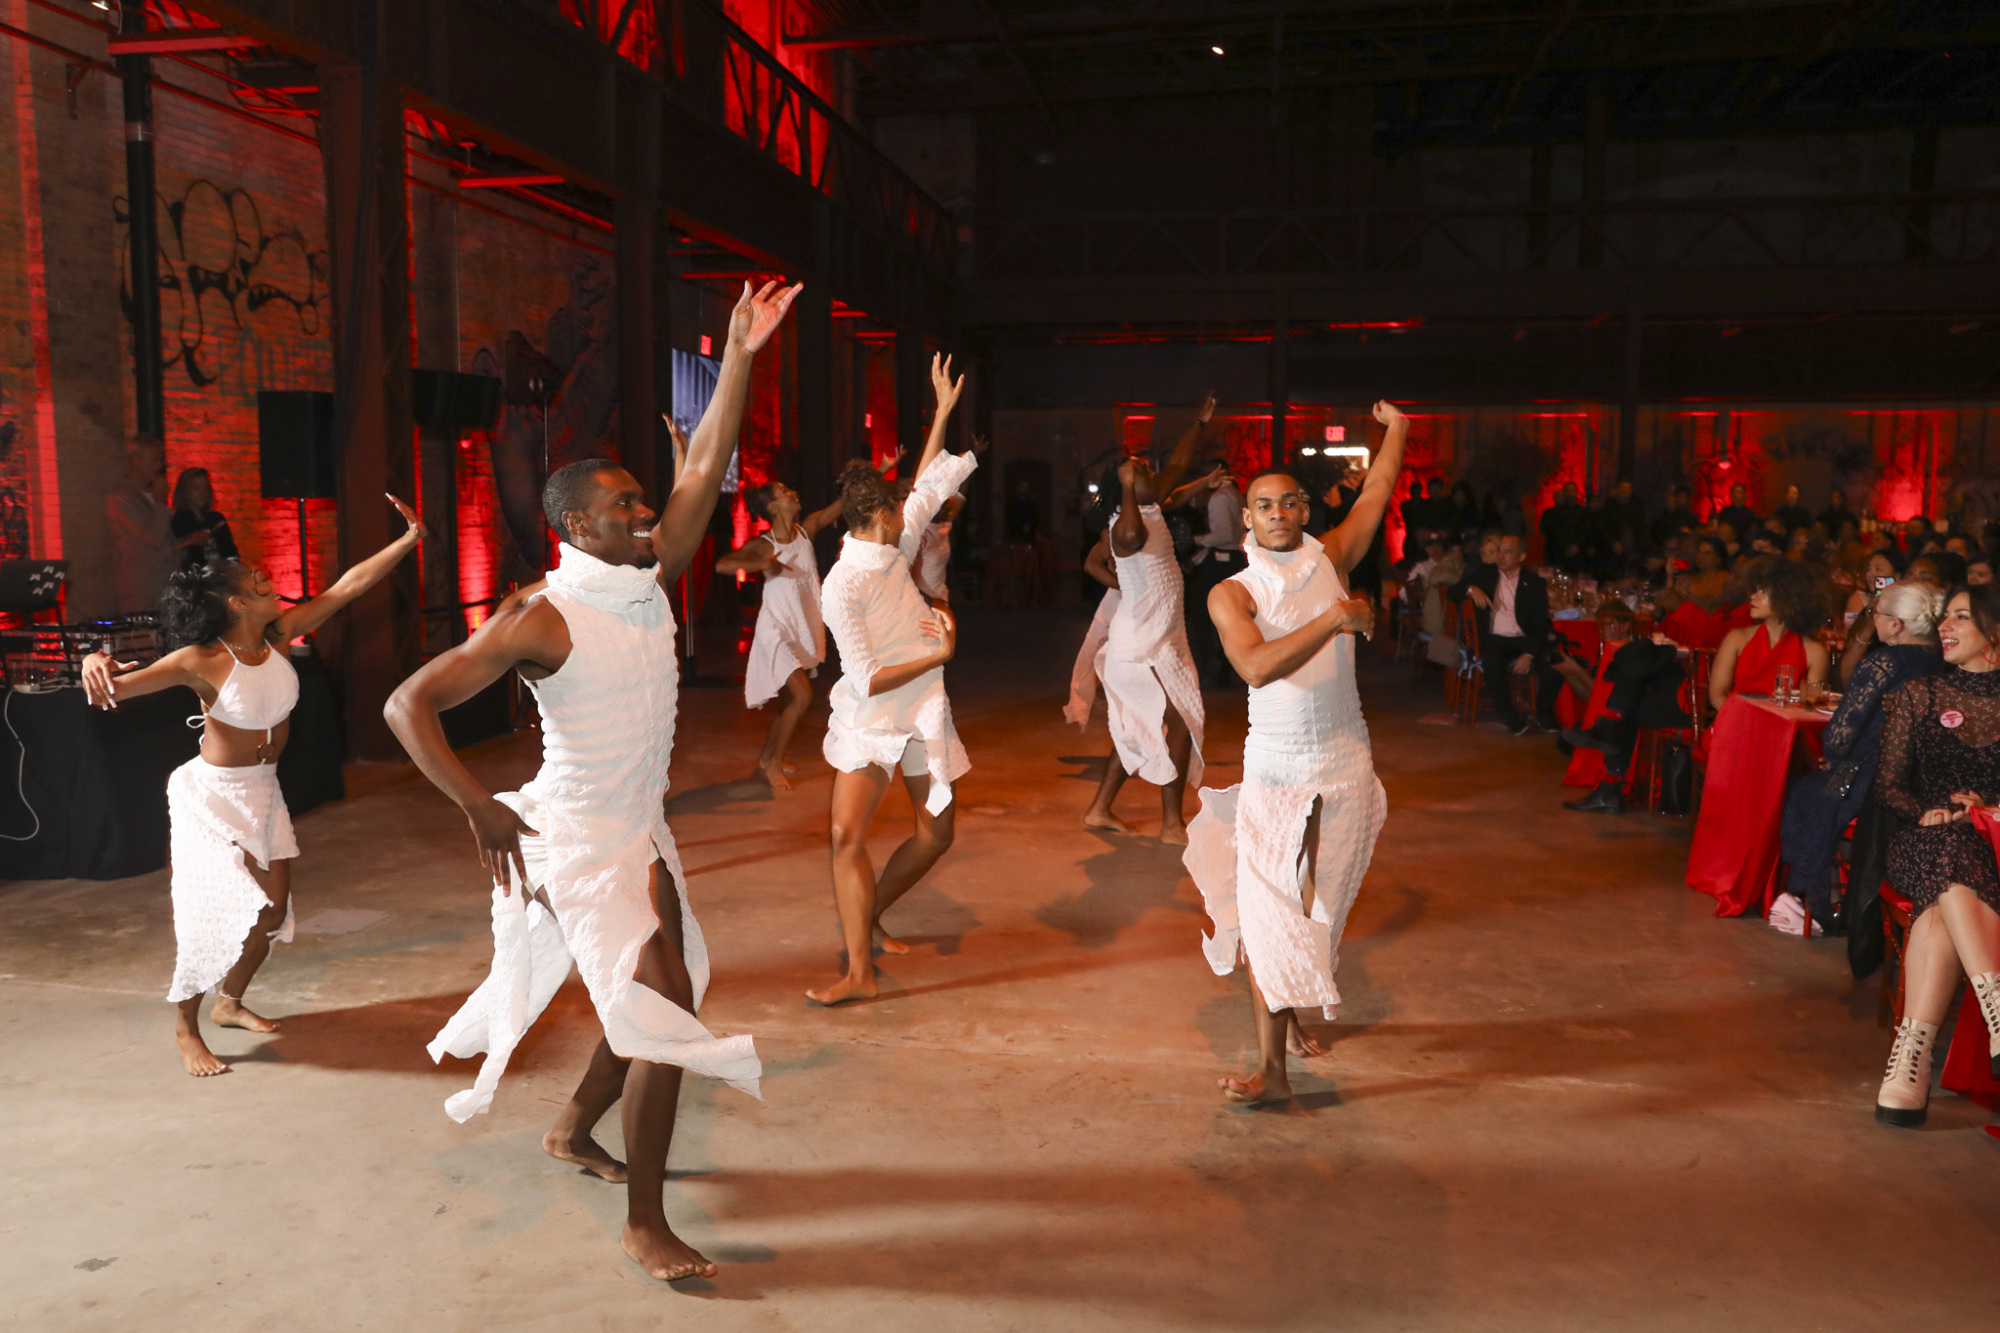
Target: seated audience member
x,y
1512,604
1675,519
1788,607
1837,512
1447,572
1950,568
1902,645
1738,514
1978,570
1709,580
1924,569
1637,686
1878,571
1426,548
1940,758
1791,513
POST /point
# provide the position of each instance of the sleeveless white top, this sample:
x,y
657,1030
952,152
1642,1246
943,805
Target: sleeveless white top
x,y
790,634
1306,729
1150,590
255,696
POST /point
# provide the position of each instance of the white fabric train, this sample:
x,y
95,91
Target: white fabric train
x,y
1147,666
1090,660
790,635
608,735
1307,742
218,816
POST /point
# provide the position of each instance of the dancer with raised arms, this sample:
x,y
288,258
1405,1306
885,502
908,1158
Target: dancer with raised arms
x,y
1279,858
586,842
230,840
890,713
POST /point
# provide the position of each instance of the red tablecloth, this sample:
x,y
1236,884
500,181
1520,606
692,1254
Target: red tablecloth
x,y
1754,750
1968,1070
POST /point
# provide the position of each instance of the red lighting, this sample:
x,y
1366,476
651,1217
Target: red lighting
x,y
707,345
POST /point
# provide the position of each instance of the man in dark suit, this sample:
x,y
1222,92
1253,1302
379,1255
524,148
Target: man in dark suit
x,y
1740,517
1512,604
1565,527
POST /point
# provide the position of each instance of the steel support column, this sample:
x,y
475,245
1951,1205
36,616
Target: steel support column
x,y
136,73
361,143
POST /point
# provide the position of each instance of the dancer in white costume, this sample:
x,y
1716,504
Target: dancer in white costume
x,y
1090,657
586,842
1152,694
932,567
890,712
789,641
231,842
1279,858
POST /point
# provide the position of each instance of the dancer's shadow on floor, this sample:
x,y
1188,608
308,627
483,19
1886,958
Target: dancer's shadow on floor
x,y
716,797
1131,876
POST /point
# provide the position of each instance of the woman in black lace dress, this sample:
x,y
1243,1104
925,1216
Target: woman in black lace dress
x,y
1940,758
1903,620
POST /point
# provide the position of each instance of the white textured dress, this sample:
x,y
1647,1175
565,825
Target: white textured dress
x,y
1307,741
932,566
219,819
789,635
873,608
1147,666
597,803
1090,660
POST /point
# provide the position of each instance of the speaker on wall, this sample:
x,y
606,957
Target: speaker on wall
x,y
295,451
450,400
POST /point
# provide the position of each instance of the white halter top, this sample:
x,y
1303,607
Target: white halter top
x,y
255,696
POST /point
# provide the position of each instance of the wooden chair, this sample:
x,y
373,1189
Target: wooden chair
x,y
1469,674
1895,934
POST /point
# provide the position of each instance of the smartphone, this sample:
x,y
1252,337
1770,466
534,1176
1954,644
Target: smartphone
x,y
1884,581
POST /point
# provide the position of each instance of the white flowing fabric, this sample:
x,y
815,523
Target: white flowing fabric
x,y
217,817
873,608
789,635
1147,665
608,737
1090,661
932,566
1307,742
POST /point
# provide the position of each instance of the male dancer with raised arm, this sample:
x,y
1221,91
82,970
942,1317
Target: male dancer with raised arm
x,y
586,841
1279,858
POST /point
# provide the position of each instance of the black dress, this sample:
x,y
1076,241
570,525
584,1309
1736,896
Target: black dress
x,y
1942,736
221,545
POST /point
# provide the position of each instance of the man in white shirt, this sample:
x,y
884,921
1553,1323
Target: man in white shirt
x,y
1514,629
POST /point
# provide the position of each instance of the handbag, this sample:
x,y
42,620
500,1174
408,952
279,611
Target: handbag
x,y
1676,779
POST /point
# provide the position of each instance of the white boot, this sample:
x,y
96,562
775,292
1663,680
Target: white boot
x,y
1906,1088
1987,987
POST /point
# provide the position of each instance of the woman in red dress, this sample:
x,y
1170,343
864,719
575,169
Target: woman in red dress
x,y
1787,608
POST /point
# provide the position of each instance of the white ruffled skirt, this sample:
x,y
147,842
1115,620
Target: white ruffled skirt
x,y
218,817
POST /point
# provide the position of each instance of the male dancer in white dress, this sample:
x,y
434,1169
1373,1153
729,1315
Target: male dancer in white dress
x,y
587,841
1279,858
1152,694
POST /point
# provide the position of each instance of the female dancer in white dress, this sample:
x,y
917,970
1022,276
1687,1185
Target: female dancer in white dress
x,y
890,712
789,641
1090,657
231,841
1280,858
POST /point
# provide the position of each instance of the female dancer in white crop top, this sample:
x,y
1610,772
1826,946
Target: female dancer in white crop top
x,y
231,840
789,641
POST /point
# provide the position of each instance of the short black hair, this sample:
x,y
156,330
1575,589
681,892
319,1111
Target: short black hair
x,y
570,488
1258,476
758,499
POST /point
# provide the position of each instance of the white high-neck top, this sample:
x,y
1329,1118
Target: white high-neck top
x,y
1306,729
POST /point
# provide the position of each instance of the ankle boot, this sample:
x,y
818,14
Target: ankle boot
x,y
1906,1088
1987,987
1607,799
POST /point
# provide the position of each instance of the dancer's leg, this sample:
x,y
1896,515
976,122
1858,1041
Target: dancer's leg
x,y
798,697
1099,815
569,1139
856,798
277,886
929,839
1931,972
1298,1041
195,1055
1180,744
652,1096
1270,1083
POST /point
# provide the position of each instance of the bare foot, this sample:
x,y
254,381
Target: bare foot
x,y
586,1152
1174,834
775,775
1257,1090
790,768
1300,1042
200,1061
888,943
229,1013
847,988
1107,821
664,1255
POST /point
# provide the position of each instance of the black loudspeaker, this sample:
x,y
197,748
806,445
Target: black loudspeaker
x,y
295,444
449,400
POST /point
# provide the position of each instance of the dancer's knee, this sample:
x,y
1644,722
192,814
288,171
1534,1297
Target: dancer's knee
x,y
846,840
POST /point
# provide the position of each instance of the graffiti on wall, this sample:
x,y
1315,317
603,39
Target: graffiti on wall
x,y
13,488
219,267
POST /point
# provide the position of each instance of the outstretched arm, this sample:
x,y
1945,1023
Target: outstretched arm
x,y
1177,461
309,616
1259,660
533,635
947,391
1346,544
755,555
105,681
819,519
684,519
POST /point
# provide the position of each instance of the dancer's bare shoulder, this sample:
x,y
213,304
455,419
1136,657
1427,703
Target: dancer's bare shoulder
x,y
529,634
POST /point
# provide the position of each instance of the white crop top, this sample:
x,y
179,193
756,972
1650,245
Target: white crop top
x,y
256,697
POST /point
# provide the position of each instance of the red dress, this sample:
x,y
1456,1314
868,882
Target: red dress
x,y
1757,665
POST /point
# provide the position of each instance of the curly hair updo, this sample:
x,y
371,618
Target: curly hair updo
x,y
195,606
864,493
1798,601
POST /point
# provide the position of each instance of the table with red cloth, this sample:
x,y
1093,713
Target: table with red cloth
x,y
1755,749
1968,1070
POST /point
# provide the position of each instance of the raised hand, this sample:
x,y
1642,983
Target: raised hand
x,y
756,317
942,384
1388,413
888,465
980,444
680,441
99,679
416,532
1206,411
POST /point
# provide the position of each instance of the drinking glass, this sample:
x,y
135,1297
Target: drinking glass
x,y
1784,688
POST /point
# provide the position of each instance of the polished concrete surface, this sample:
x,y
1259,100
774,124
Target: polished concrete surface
x,y
1561,1094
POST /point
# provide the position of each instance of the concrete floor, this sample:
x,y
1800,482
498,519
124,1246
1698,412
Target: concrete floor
x,y
1562,1095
